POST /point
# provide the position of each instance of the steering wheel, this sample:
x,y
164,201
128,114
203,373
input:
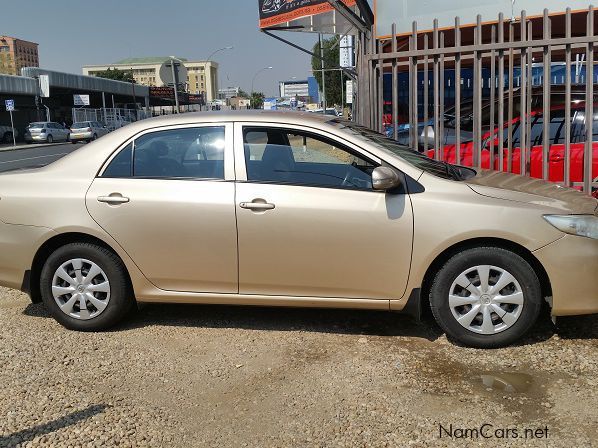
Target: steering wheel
x,y
346,182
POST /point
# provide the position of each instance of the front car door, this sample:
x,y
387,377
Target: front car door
x,y
167,197
309,222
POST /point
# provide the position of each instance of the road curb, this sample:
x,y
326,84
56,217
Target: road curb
x,y
22,147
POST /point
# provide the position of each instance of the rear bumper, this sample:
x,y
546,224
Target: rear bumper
x,y
572,266
81,136
36,138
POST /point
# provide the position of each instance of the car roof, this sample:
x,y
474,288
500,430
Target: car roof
x,y
264,116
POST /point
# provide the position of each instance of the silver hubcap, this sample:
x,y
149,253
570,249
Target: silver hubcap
x,y
486,299
81,289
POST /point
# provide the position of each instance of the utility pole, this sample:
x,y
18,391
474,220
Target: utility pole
x,y
175,81
323,74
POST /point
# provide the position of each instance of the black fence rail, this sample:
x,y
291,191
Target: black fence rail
x,y
516,116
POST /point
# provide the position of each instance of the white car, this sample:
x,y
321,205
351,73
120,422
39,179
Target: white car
x,y
88,131
46,132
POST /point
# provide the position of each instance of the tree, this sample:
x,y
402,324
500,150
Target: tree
x,y
334,79
117,75
243,94
257,100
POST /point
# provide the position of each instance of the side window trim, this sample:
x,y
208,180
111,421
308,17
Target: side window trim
x,y
306,134
229,163
239,153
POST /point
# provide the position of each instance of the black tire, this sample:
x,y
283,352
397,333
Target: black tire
x,y
95,137
7,138
121,295
74,142
494,256
50,139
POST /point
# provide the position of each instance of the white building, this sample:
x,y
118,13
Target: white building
x,y
199,76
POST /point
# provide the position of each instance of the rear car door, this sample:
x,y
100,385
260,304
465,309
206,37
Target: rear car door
x,y
167,197
309,222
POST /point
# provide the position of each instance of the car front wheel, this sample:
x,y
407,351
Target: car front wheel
x,y
486,297
85,287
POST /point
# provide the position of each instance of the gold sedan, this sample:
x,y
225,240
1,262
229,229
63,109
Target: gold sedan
x,y
295,210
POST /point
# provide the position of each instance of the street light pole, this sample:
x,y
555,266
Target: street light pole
x,y
253,81
230,47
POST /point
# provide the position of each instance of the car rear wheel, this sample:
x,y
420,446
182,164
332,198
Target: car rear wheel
x,y
7,137
486,297
85,287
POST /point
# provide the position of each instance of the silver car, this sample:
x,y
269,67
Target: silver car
x,y
88,131
46,132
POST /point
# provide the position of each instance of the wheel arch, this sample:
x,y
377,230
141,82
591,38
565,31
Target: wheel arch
x,y
31,282
449,252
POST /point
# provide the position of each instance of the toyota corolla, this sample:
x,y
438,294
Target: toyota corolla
x,y
294,210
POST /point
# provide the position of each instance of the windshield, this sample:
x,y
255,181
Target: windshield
x,y
82,124
418,160
36,125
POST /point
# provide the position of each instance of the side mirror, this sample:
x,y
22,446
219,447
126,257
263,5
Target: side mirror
x,y
427,136
385,178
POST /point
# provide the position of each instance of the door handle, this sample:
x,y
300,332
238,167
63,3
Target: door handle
x,y
113,199
257,206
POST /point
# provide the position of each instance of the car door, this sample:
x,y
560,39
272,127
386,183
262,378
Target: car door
x,y
167,197
309,222
58,131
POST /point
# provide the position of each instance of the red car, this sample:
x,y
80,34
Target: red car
x,y
556,157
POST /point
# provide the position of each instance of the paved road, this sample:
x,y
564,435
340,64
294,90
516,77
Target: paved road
x,y
34,156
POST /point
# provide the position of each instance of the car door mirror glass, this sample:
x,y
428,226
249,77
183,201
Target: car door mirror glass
x,y
427,136
385,178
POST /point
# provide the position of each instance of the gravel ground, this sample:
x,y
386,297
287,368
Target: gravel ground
x,y
197,376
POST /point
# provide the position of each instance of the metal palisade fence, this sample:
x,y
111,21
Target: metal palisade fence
x,y
113,118
517,96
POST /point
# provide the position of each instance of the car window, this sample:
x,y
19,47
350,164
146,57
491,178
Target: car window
x,y
181,153
578,131
122,164
301,158
537,127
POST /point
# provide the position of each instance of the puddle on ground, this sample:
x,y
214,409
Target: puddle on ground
x,y
505,382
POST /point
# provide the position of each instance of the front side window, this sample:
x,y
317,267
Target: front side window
x,y
189,153
300,158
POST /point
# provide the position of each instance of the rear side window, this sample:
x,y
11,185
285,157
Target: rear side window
x,y
189,153
122,164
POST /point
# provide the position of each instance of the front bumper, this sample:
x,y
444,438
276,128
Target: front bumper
x,y
572,266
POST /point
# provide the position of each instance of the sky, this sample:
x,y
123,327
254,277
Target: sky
x,y
73,33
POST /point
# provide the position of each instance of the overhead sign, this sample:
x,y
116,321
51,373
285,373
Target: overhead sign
x,y
276,12
404,12
10,105
196,99
81,100
349,92
44,86
171,76
270,104
166,93
347,52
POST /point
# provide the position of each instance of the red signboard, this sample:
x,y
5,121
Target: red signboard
x,y
275,12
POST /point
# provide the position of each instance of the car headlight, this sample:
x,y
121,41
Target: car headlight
x,y
580,225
